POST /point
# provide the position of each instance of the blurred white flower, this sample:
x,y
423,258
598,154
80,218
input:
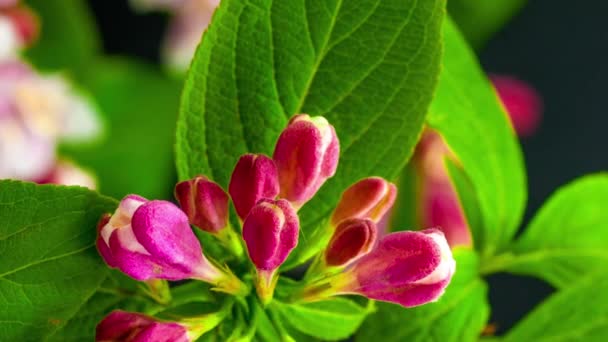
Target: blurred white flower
x,y
9,39
68,173
36,112
189,22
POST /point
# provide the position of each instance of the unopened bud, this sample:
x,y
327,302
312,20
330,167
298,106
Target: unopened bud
x,y
270,232
204,202
254,178
369,198
306,155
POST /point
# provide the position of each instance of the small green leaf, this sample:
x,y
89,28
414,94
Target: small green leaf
x,y
567,239
68,35
467,113
459,315
369,66
140,104
50,267
577,313
333,319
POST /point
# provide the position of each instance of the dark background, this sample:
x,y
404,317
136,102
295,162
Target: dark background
x,y
558,46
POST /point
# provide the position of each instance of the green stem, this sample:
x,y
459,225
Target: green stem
x,y
232,241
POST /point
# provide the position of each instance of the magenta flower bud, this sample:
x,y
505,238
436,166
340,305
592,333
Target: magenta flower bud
x,y
352,239
122,326
153,240
254,178
521,101
205,203
369,198
406,268
438,202
306,155
270,232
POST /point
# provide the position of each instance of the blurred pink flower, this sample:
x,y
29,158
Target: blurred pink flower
x,y
189,22
521,101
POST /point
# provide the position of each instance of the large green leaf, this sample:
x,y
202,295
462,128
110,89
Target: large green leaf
x,y
459,315
117,291
332,319
140,105
50,267
68,36
468,114
578,313
369,66
567,238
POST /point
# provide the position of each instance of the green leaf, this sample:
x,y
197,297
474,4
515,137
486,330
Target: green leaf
x,y
141,108
458,316
68,35
332,319
369,66
50,267
577,313
567,238
479,20
468,114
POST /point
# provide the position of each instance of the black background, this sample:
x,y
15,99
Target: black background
x,y
558,46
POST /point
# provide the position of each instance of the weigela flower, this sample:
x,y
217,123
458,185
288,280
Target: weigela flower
x,y
306,155
153,240
122,326
407,268
150,240
369,198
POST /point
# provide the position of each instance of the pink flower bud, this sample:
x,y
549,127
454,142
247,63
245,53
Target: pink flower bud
x,y
122,326
306,155
205,203
254,178
406,268
368,198
352,239
521,101
438,201
153,240
271,232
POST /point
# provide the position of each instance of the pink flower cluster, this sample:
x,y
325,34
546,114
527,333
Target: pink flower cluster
x,y
150,240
